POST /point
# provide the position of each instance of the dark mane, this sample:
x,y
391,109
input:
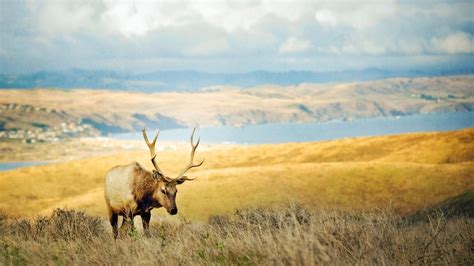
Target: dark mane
x,y
143,188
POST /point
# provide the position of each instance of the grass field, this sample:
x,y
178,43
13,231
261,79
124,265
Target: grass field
x,y
405,172
289,235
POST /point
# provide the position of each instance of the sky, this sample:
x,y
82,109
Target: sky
x,y
234,36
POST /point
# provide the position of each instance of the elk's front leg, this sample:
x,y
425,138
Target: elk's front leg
x,y
146,216
127,223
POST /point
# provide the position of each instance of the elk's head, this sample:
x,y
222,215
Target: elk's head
x,y
166,192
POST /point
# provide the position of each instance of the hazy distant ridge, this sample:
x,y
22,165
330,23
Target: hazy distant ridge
x,y
193,80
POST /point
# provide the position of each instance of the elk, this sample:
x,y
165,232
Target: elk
x,y
131,190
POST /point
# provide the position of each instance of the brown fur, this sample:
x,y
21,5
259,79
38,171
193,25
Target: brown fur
x,y
143,185
147,190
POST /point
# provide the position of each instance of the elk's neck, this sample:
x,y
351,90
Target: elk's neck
x,y
144,185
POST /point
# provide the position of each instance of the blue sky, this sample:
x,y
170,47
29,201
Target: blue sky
x,y
234,36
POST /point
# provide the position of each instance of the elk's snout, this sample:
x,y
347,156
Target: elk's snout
x,y
173,211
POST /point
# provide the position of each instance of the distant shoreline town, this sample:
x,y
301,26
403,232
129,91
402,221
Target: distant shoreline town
x,y
39,132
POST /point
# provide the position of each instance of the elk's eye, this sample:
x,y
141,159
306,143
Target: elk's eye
x,y
163,191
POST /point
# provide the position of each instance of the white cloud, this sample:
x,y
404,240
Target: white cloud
x,y
455,43
245,32
355,14
326,17
138,18
243,15
363,47
60,18
212,47
294,45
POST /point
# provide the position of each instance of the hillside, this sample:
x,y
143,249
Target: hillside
x,y
117,111
404,172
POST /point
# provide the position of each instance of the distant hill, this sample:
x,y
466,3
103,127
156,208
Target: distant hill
x,y
120,111
194,80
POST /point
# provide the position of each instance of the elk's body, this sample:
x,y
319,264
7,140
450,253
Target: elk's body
x,y
131,190
123,191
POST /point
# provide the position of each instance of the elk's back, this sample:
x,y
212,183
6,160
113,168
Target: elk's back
x,y
118,187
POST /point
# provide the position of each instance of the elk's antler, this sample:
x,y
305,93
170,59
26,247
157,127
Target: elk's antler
x,y
190,164
151,146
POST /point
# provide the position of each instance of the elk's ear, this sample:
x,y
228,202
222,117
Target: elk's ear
x,y
181,180
156,175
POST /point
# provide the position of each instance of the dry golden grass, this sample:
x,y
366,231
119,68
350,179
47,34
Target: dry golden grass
x,y
278,236
407,172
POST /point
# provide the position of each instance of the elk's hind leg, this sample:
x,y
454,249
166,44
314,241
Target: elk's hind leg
x,y
113,217
146,216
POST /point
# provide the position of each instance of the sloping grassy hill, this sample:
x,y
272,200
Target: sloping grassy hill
x,y
110,111
406,172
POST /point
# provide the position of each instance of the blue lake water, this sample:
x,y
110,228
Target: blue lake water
x,y
13,165
301,132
